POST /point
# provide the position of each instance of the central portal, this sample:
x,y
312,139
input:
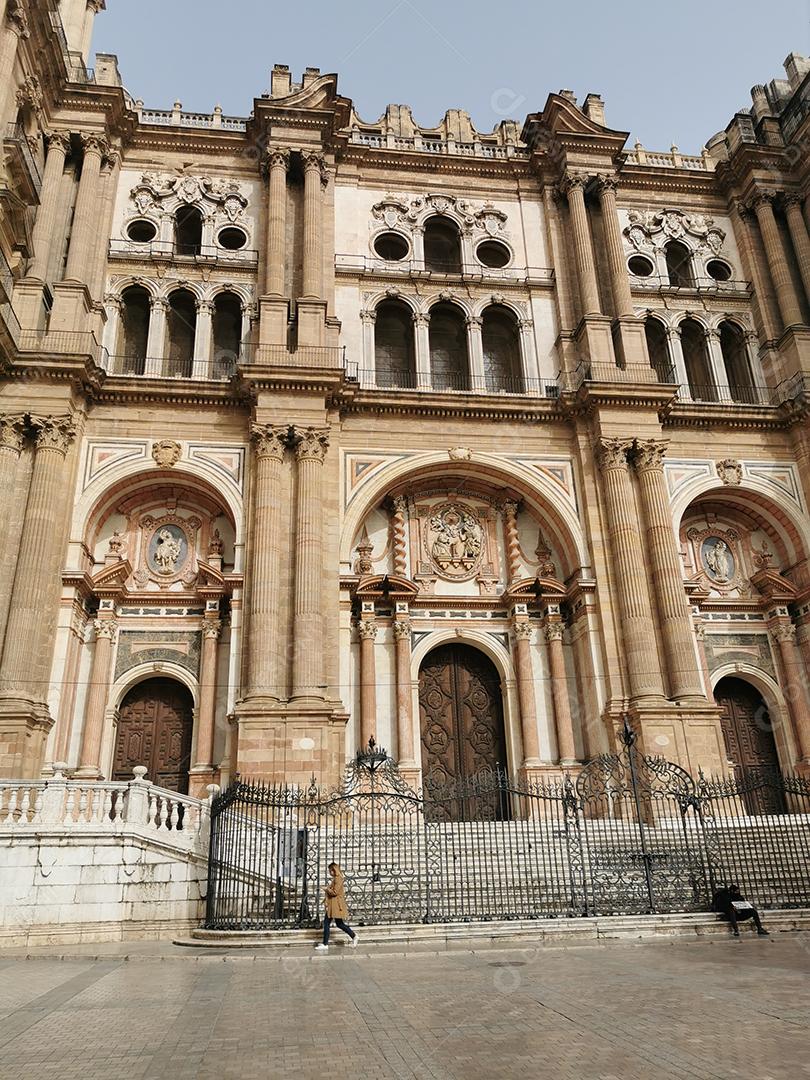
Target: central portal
x,y
460,714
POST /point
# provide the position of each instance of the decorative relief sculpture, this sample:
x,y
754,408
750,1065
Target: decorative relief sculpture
x,y
717,559
651,229
166,453
454,540
730,471
404,213
167,550
168,545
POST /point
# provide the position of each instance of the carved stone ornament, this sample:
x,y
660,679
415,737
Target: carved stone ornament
x,y
158,193
454,541
115,545
269,440
167,550
522,631
30,93
54,432
648,454
367,629
402,629
166,453
105,628
612,453
311,443
730,471
783,632
404,213
215,545
554,631
211,628
717,557
11,433
651,229
364,564
459,453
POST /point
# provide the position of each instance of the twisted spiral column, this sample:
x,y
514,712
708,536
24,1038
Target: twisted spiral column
x,y
400,507
510,510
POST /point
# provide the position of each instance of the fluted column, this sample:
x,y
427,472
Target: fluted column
x,y
795,685
45,224
563,720
262,678
206,715
630,579
277,163
799,236
574,188
367,629
14,27
314,178
84,233
509,508
310,450
108,186
402,640
525,687
12,427
28,643
369,368
777,259
619,280
93,733
674,614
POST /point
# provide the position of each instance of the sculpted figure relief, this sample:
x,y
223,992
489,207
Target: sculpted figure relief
x,y
455,540
718,559
167,551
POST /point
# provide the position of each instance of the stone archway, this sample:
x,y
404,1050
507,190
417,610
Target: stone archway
x,y
154,730
749,737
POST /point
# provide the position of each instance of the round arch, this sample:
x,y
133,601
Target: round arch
x,y
122,284
774,699
456,301
195,288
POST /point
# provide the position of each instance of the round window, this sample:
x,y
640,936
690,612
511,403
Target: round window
x,y
639,266
718,270
141,231
391,246
493,254
232,239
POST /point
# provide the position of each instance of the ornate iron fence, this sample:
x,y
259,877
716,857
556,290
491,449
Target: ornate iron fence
x,y
632,835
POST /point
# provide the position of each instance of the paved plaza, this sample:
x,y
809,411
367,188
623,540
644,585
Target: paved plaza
x,y
668,1011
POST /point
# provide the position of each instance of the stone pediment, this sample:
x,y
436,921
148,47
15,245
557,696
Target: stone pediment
x,y
112,578
562,117
535,588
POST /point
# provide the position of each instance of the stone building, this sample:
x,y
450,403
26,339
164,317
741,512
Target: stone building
x,y
315,429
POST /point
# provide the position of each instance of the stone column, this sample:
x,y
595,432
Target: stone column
x,y
92,9
795,685
108,186
93,733
84,233
11,443
629,578
674,613
399,541
113,306
717,364
156,338
202,341
421,323
777,261
563,721
678,362
574,188
367,629
45,224
799,236
27,648
368,375
405,743
475,348
314,173
15,27
277,163
206,716
263,594
509,509
310,450
525,687
619,280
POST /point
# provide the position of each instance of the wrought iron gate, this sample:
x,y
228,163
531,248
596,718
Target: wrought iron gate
x,y
635,834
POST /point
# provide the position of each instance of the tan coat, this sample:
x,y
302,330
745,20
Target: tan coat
x,y
335,899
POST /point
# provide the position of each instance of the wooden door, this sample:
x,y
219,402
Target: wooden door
x,y
154,729
748,735
461,718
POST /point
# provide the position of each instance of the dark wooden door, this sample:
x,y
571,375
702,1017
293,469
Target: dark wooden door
x,y
154,729
750,744
461,720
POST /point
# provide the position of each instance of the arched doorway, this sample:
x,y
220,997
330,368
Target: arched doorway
x,y
461,720
748,734
154,729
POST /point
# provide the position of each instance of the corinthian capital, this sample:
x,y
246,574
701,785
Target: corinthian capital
x,y
269,440
648,455
54,432
762,197
574,181
11,433
94,143
791,199
17,18
612,453
315,161
310,443
783,632
60,140
211,628
276,157
105,628
367,628
402,629
522,631
607,185
555,631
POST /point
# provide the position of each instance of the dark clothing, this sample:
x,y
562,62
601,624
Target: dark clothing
x,y
327,922
732,907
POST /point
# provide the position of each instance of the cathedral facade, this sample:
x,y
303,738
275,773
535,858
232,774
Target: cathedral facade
x,y
314,430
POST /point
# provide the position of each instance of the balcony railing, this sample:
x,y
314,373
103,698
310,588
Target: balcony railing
x,y
163,250
404,379
75,343
699,394
317,357
178,118
145,367
701,286
17,139
366,264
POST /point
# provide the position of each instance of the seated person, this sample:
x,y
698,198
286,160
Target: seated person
x,y
732,907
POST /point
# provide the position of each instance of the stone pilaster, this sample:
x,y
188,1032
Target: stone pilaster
x,y
574,188
563,721
202,772
12,429
310,450
93,733
522,631
799,236
629,577
84,233
786,298
367,631
405,741
794,686
45,225
277,163
674,614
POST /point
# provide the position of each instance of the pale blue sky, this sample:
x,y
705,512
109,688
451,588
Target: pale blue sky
x,y
667,71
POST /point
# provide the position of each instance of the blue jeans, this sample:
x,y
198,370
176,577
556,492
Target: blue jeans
x,y
327,922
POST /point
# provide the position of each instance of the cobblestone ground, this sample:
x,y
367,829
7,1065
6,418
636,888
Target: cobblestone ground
x,y
623,1012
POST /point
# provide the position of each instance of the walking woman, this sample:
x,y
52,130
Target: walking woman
x,y
335,905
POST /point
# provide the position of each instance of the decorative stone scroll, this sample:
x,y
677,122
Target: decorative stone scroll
x,y
651,229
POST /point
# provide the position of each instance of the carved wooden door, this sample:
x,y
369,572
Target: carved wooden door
x,y
748,734
461,719
154,729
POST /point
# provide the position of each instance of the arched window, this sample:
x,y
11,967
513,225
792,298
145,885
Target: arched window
x,y
188,225
226,331
394,362
735,359
449,357
696,361
679,264
442,246
133,332
181,326
656,335
500,337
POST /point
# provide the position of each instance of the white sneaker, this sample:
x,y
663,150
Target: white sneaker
x,y
353,942
321,948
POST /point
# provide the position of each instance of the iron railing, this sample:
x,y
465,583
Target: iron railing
x,y
408,379
359,264
169,249
632,835
217,370
16,137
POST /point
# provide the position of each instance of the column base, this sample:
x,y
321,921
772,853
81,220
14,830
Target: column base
x,y
24,728
410,773
595,344
199,779
630,344
274,317
29,303
88,772
311,321
290,742
72,307
690,735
